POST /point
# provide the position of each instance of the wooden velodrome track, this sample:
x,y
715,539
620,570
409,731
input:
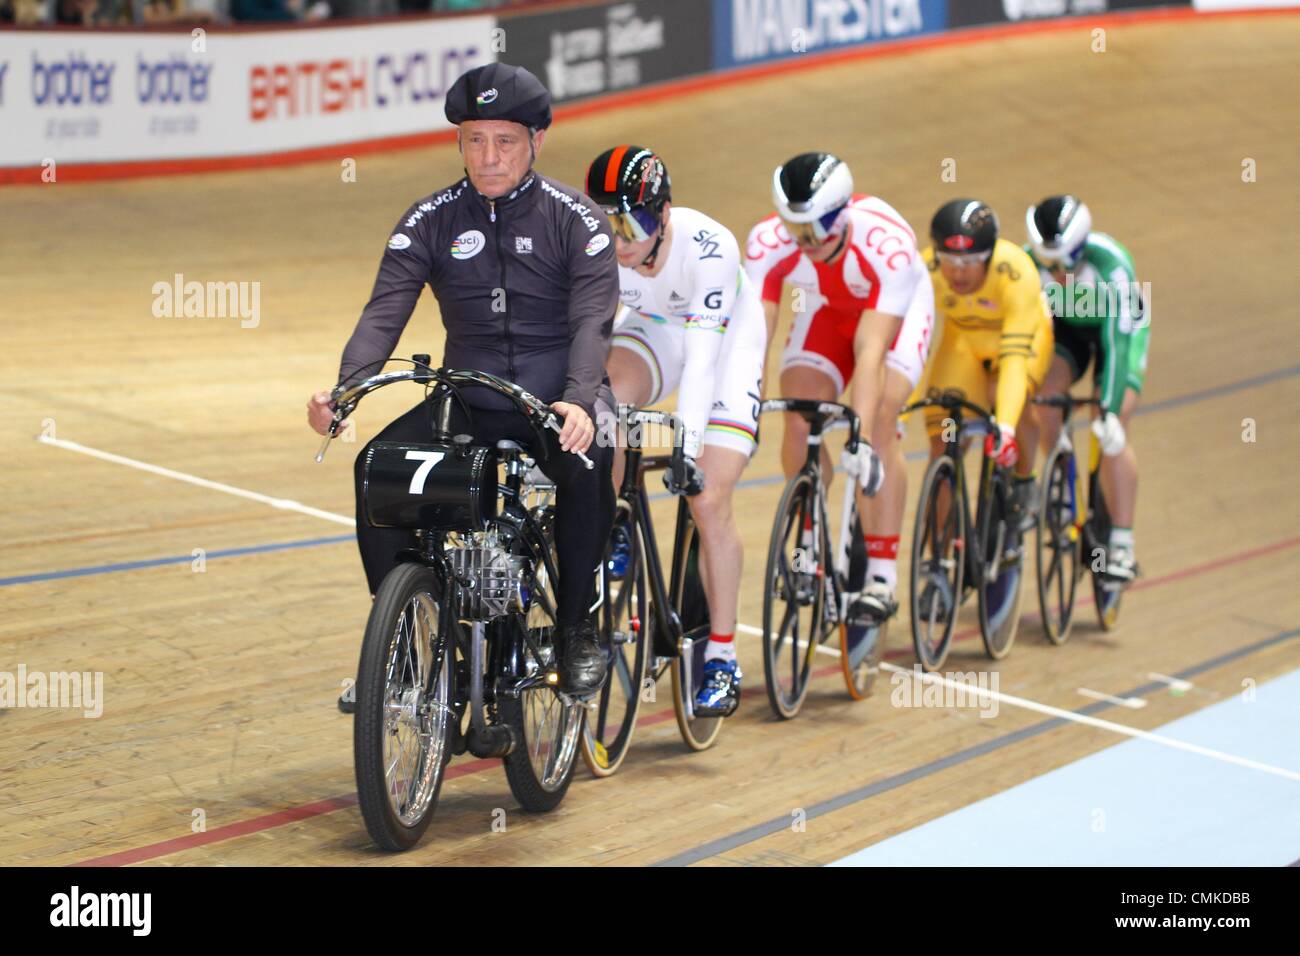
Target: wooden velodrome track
x,y
220,685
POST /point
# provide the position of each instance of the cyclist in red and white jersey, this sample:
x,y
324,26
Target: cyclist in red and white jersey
x,y
863,315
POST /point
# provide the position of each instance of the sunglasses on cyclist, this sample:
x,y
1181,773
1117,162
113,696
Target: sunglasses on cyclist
x,y
963,260
633,225
813,233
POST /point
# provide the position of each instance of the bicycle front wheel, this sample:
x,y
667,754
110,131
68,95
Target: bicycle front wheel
x,y
404,716
1057,563
794,597
624,635
938,564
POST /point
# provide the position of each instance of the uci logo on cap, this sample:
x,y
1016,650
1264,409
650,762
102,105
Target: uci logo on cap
x,y
486,97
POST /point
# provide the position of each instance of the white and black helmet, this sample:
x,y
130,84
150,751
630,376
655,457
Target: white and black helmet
x,y
1058,230
810,191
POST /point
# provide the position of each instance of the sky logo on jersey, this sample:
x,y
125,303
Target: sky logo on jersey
x,y
399,241
597,243
467,245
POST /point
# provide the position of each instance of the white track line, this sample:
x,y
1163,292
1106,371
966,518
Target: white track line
x,y
284,504
758,632
1132,703
1102,724
1176,684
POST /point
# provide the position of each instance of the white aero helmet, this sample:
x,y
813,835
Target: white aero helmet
x,y
1058,230
809,192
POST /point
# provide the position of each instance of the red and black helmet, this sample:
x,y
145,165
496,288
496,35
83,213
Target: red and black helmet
x,y
631,184
964,227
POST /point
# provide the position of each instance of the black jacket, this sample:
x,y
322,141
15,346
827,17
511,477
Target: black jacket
x,y
527,286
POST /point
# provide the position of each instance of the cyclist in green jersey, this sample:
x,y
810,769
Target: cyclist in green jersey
x,y
1099,315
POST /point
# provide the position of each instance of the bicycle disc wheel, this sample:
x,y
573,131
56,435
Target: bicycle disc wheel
x,y
1106,592
404,716
999,591
793,598
937,565
1057,565
547,724
687,669
625,638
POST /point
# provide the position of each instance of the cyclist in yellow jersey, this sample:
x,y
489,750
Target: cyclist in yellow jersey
x,y
996,342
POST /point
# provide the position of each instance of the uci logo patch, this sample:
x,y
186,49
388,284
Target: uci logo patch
x,y
486,97
596,243
399,241
467,245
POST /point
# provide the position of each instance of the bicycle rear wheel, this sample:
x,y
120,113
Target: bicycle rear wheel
x,y
687,669
937,562
794,597
401,734
547,725
1057,565
625,636
1106,592
1000,592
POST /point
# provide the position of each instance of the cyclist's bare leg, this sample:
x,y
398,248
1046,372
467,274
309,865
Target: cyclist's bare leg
x,y
1027,435
800,381
883,514
720,547
1049,419
1119,475
632,382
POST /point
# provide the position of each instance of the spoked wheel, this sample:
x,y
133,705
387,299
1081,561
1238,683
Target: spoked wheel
x,y
1106,592
1058,547
687,667
624,634
937,563
547,725
404,715
794,599
999,591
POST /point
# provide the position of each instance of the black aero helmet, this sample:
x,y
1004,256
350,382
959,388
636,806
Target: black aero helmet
x,y
499,91
964,226
809,193
631,184
1058,230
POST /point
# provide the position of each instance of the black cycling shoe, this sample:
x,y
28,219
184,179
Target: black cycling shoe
x,y
348,701
583,663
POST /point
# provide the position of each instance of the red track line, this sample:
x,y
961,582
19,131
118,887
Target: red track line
x,y
73,172
321,807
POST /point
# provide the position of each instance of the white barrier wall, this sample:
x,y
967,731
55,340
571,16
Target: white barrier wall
x,y
82,97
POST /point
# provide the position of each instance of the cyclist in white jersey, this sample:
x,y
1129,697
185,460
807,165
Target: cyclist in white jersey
x,y
863,315
691,323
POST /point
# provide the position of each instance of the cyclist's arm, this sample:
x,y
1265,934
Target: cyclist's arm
x,y
712,302
593,302
406,266
1024,312
1116,335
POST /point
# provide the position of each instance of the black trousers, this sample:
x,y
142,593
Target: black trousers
x,y
584,505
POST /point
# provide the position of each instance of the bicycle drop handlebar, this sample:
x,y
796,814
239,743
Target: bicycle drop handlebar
x,y
951,401
827,412
345,400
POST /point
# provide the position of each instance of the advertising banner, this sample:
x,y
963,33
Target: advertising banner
x,y
754,31
965,13
81,97
603,48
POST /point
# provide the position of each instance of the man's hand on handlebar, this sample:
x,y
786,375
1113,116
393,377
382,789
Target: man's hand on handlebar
x,y
320,413
578,430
